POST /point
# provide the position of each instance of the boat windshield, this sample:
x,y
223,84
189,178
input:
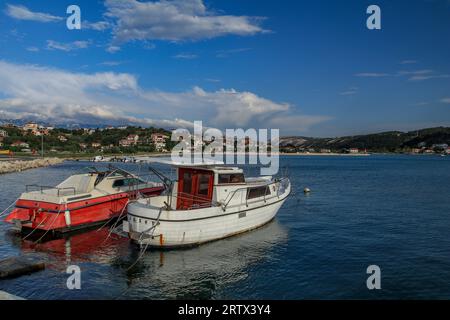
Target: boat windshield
x,y
127,182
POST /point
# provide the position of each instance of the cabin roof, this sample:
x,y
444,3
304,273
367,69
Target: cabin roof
x,y
208,164
168,161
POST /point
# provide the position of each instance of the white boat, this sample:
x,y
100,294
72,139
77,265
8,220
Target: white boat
x,y
207,202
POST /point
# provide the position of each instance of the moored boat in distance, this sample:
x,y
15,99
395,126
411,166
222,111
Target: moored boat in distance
x,y
207,202
81,201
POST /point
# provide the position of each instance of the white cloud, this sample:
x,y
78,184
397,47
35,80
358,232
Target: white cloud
x,y
148,45
107,98
415,72
420,75
409,62
33,49
422,103
174,20
111,63
69,46
97,26
350,91
372,75
413,75
228,108
239,108
445,100
229,52
428,77
23,13
186,56
61,96
113,49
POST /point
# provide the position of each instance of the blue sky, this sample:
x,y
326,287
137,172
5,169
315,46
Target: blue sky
x,y
307,67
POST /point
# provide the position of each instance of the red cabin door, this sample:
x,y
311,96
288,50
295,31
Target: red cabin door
x,y
195,188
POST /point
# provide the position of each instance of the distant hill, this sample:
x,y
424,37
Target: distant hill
x,y
391,141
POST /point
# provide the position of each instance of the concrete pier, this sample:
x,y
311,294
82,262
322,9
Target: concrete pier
x,y
7,296
17,266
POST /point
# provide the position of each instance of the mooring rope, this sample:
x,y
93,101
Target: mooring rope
x,y
54,220
110,233
122,293
112,218
44,220
118,218
152,228
113,227
141,254
4,211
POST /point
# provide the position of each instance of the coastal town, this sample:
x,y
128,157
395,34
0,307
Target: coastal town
x,y
35,139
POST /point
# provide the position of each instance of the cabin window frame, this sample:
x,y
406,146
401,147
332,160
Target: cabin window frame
x,y
262,192
219,175
185,173
201,184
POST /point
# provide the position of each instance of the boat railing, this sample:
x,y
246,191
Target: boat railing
x,y
206,202
283,183
42,188
202,201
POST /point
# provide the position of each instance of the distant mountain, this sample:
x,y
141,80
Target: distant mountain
x,y
62,124
390,141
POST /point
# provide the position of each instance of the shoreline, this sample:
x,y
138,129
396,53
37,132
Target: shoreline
x,y
159,155
326,154
8,296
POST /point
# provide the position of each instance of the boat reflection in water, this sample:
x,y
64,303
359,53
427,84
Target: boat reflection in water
x,y
201,271
198,272
95,246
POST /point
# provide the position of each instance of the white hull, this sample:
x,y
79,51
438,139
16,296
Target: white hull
x,y
192,227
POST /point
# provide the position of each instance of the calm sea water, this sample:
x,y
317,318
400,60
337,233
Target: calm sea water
x,y
391,211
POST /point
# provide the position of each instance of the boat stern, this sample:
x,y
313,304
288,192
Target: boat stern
x,y
18,214
34,214
19,217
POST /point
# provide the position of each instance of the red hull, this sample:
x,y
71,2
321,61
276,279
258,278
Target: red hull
x,y
51,216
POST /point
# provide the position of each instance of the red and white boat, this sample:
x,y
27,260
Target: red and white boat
x,y
80,201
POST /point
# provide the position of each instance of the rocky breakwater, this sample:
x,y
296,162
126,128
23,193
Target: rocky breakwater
x,y
8,166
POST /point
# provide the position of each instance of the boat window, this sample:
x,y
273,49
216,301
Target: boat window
x,y
231,178
203,184
133,181
258,192
187,182
118,183
127,182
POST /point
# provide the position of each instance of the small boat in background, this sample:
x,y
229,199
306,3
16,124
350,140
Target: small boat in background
x,y
207,202
81,201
